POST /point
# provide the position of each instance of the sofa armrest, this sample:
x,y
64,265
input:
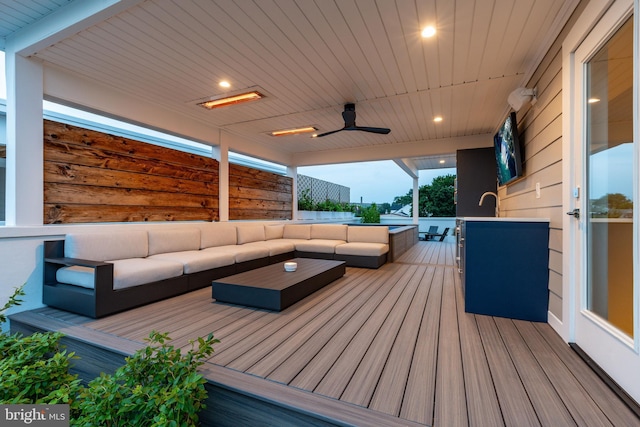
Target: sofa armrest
x,y
76,261
103,276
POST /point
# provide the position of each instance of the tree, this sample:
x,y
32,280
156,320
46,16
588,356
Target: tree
x,y
435,199
438,197
612,205
384,208
407,199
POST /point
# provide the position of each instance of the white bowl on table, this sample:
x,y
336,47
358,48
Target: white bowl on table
x,y
290,266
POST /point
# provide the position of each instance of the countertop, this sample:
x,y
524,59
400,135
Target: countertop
x,y
502,219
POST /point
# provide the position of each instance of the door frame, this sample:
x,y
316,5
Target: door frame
x,y
619,355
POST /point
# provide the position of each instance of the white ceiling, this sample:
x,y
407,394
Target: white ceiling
x,y
310,57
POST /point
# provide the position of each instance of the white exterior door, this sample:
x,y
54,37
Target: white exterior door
x,y
604,192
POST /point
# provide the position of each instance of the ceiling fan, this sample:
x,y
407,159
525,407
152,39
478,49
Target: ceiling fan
x,y
349,116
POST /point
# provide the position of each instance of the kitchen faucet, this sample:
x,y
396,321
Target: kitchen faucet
x,y
490,193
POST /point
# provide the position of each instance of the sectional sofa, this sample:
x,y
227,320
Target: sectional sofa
x,y
100,273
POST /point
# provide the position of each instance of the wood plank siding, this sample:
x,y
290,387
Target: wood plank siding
x,y
256,194
540,129
90,176
388,347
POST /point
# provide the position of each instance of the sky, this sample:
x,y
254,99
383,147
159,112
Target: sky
x,y
374,182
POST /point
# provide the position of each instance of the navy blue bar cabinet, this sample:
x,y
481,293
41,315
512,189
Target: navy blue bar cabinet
x,y
504,267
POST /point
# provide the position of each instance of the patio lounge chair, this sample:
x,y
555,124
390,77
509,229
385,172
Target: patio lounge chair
x,y
433,231
443,235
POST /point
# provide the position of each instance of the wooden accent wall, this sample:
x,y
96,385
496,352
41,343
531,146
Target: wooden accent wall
x,y
90,176
256,194
95,177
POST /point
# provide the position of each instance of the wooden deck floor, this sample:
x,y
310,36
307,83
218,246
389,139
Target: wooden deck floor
x,y
394,343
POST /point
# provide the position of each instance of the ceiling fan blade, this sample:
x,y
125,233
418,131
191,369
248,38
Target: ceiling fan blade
x,y
370,129
329,133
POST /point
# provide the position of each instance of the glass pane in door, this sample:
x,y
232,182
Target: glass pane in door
x,y
610,153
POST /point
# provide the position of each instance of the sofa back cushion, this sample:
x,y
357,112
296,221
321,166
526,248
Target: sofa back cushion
x,y
297,231
368,234
250,233
329,231
273,231
105,246
217,234
164,241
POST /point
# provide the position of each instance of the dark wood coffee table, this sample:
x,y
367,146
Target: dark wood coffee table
x,y
273,288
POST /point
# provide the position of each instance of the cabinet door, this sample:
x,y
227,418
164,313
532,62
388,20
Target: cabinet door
x,y
506,266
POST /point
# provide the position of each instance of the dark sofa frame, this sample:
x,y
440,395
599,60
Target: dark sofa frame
x,y
103,300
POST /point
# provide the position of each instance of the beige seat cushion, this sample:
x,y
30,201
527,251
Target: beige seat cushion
x,y
195,261
243,253
368,234
277,246
135,271
77,275
297,231
362,249
126,273
319,245
173,240
217,234
250,233
102,246
329,231
273,231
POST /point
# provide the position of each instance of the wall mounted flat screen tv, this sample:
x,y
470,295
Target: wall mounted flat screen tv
x,y
508,153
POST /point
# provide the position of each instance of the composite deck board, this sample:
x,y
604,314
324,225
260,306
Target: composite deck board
x,y
391,346
285,338
580,404
243,353
517,409
390,389
365,379
314,334
482,403
450,404
546,402
614,408
337,378
308,354
418,400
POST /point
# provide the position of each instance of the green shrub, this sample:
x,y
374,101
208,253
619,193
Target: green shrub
x,y
158,386
370,215
305,202
33,369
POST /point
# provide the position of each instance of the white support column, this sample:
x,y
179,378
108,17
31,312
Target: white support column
x,y
221,154
24,196
292,172
416,201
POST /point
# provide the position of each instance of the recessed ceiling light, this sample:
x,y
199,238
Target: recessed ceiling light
x,y
428,31
224,83
231,100
593,100
293,131
442,162
437,119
